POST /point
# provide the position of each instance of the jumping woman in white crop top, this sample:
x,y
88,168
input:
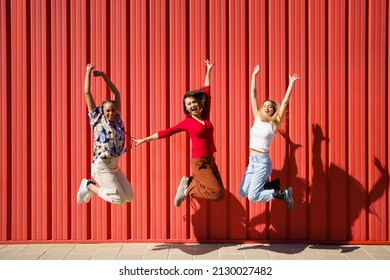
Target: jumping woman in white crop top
x,y
268,118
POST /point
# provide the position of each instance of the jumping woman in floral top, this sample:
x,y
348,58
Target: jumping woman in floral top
x,y
109,139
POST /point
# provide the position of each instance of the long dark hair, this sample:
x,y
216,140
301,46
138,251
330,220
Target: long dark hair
x,y
199,95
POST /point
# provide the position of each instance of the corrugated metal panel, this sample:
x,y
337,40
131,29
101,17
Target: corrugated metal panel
x,y
317,119
20,131
237,108
60,124
357,157
332,147
159,101
5,123
217,32
80,137
178,83
139,115
298,149
378,142
39,122
337,121
388,115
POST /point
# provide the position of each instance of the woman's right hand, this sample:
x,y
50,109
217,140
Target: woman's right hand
x,y
137,141
90,67
256,70
147,139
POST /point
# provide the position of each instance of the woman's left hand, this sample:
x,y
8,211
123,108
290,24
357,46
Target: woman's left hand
x,y
208,64
293,78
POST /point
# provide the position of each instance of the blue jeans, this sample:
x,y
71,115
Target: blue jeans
x,y
256,175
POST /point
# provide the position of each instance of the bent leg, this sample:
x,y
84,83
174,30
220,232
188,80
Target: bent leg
x,y
246,181
125,185
110,190
262,168
206,181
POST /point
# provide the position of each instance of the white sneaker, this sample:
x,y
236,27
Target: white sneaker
x,y
181,191
83,190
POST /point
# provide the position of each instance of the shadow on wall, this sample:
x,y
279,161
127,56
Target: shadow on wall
x,y
323,181
346,196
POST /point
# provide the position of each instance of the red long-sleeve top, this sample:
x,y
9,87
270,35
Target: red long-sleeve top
x,y
202,136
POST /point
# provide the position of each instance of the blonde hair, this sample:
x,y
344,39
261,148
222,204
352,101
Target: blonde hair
x,y
275,119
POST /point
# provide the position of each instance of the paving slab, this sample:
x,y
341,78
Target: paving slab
x,y
129,256
79,256
106,253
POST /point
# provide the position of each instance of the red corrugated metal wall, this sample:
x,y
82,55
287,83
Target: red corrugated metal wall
x,y
333,145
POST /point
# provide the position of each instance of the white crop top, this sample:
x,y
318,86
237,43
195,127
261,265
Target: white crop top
x,y
261,136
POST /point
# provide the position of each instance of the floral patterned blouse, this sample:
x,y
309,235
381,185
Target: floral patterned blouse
x,y
109,138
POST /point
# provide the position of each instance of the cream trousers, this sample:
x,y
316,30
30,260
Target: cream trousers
x,y
115,188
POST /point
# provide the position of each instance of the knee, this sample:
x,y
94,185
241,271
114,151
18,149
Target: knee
x,y
122,199
220,195
242,193
118,199
253,198
111,196
118,202
129,198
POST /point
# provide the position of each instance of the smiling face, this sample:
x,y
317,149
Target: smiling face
x,y
192,106
268,108
110,111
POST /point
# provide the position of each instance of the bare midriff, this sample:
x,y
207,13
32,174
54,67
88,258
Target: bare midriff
x,y
256,152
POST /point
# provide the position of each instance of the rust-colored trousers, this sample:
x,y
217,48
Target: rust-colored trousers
x,y
205,181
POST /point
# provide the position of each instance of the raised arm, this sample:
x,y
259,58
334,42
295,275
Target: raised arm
x,y
207,77
286,98
87,88
253,93
111,86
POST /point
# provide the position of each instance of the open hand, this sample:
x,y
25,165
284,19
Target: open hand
x,y
137,141
208,64
293,78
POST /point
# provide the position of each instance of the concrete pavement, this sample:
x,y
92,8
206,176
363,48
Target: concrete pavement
x,y
193,251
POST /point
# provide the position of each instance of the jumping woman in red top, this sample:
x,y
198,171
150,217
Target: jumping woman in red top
x,y
205,181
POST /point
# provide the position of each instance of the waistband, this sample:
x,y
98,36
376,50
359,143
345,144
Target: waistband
x,y
104,158
258,157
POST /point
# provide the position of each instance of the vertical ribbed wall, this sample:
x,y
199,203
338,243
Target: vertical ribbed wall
x,y
332,147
